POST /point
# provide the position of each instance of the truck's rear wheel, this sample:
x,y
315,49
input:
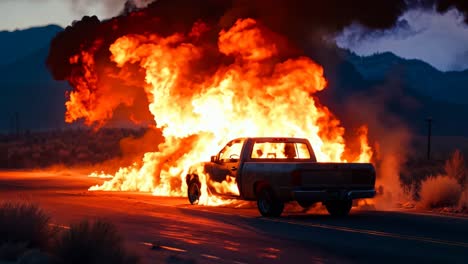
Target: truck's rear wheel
x,y
193,191
267,203
339,207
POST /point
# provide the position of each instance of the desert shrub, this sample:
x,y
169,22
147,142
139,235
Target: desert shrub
x,y
440,191
463,202
455,167
415,171
24,225
11,251
35,256
92,242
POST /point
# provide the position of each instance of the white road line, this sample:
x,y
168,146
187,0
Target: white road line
x,y
173,249
60,226
156,246
210,256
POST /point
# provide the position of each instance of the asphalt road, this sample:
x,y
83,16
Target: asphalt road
x,y
169,230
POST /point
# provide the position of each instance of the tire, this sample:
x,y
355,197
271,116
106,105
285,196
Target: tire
x,y
193,191
339,207
267,203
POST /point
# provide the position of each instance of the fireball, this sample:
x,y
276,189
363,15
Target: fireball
x,y
203,93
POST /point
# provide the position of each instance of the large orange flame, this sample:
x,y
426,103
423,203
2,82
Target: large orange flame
x,y
254,92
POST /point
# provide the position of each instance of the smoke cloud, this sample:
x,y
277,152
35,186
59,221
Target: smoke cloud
x,y
441,6
438,39
110,7
297,19
392,137
356,34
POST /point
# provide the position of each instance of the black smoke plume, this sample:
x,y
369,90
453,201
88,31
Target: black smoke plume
x,y
443,6
296,19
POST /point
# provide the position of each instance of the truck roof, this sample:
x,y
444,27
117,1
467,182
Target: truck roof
x,y
280,139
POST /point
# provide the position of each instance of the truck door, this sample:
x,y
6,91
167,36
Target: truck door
x,y
227,164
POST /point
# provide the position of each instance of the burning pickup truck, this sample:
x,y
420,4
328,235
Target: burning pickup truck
x,y
273,171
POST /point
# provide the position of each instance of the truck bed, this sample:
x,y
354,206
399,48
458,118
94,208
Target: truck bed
x,y
295,180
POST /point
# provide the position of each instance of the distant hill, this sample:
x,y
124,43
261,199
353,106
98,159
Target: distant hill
x,y
18,44
414,91
414,74
26,86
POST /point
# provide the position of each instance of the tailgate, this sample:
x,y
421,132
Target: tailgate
x,y
337,175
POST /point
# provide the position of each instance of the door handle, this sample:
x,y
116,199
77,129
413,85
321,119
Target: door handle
x,y
233,168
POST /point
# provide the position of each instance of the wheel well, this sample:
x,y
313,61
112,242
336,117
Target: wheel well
x,y
259,185
192,177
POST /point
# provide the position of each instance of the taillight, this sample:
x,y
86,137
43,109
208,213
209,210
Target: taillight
x,y
296,179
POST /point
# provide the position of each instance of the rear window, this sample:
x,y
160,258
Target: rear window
x,y
280,150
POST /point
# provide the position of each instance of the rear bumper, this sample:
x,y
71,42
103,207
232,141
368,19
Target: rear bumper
x,y
360,194
326,195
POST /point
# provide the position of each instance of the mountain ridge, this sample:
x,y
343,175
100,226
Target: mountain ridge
x,y
449,86
18,44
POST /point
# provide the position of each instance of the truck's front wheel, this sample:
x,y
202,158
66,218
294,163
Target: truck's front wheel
x,y
339,207
193,191
267,203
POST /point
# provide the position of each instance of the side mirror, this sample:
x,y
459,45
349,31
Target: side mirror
x,y
214,159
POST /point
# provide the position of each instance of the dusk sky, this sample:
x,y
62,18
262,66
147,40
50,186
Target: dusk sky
x,y
437,39
19,14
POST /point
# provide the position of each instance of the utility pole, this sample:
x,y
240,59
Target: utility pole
x,y
429,132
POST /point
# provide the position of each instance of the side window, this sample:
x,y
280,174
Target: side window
x,y
231,152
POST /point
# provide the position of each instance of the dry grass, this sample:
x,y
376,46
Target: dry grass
x,y
455,167
440,191
26,236
23,226
92,243
463,202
